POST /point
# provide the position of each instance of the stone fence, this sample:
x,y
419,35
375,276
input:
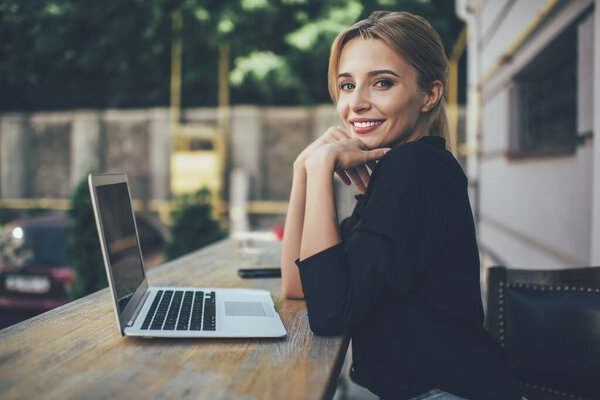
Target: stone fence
x,y
44,154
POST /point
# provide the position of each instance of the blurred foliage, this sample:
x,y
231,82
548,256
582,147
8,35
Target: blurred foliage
x,y
192,226
83,245
60,54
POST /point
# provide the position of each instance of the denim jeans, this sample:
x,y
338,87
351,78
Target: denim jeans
x,y
438,394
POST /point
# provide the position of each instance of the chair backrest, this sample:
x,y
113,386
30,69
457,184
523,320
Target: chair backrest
x,y
548,322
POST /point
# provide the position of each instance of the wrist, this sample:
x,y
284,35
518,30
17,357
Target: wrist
x,y
299,164
320,161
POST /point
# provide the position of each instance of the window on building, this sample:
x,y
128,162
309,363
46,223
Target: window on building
x,y
545,94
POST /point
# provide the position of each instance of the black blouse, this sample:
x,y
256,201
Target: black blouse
x,y
405,283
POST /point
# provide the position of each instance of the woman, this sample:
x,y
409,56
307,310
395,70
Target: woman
x,y
402,273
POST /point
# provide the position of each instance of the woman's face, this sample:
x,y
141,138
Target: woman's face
x,y
379,99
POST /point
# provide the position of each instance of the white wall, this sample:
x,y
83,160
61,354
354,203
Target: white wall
x,y
534,212
495,123
513,23
545,200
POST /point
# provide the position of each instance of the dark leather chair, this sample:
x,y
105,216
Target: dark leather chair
x,y
548,322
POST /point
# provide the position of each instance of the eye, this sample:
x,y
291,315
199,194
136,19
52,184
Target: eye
x,y
347,86
384,83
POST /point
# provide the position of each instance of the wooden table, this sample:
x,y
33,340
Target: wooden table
x,y
76,351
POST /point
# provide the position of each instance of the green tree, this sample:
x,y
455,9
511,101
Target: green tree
x,y
84,246
60,54
192,226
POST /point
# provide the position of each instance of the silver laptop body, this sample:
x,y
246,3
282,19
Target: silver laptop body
x,y
143,310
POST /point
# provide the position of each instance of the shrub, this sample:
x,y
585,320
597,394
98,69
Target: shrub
x,y
83,245
192,225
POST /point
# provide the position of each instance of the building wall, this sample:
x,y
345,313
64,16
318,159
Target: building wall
x,y
534,211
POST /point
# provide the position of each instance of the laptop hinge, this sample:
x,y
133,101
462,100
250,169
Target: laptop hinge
x,y
138,309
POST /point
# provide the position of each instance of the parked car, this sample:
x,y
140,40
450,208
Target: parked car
x,y
34,267
35,273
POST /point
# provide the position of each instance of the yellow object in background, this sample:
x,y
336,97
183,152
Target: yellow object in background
x,y
192,170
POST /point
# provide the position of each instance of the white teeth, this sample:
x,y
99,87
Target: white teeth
x,y
366,124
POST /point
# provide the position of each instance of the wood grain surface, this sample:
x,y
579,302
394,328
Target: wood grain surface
x,y
77,352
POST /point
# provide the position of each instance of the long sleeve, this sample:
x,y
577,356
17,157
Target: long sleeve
x,y
396,232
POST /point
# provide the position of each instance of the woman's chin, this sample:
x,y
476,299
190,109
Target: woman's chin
x,y
371,142
366,139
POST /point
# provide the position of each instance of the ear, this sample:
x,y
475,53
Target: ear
x,y
433,96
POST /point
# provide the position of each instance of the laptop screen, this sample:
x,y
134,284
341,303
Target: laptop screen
x,y
121,239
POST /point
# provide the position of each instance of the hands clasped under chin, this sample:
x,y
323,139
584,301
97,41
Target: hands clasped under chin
x,y
347,156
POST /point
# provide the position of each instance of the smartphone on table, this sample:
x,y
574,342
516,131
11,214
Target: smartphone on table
x,y
259,272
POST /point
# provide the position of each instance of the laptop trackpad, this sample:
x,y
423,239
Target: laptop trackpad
x,y
244,309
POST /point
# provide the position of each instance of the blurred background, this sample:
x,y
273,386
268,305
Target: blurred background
x,y
206,103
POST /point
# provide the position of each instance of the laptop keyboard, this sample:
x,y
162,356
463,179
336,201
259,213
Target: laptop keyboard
x,y
181,311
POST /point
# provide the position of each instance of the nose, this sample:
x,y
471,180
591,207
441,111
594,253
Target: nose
x,y
359,100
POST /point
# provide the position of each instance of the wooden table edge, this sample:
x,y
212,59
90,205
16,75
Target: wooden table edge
x,y
332,382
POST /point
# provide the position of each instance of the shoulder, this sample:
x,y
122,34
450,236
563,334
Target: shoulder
x,y
410,161
403,188
424,159
402,173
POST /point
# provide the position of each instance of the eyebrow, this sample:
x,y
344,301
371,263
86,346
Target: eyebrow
x,y
371,73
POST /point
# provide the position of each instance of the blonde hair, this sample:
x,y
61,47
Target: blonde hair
x,y
418,43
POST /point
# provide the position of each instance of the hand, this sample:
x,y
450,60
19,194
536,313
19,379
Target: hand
x,y
350,153
347,155
359,175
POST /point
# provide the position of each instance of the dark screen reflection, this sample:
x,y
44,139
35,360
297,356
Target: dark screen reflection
x,y
119,231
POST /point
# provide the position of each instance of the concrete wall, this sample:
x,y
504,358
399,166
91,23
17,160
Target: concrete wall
x,y
49,155
14,155
43,155
534,212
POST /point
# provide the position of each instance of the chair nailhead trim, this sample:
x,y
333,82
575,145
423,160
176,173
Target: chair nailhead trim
x,y
554,391
558,288
541,288
501,311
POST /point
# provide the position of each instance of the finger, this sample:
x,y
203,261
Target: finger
x,y
343,177
343,130
372,165
363,174
334,134
356,180
373,155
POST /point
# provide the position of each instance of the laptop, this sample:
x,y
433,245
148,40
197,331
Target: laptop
x,y
176,312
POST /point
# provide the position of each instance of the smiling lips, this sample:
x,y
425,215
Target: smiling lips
x,y
363,126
